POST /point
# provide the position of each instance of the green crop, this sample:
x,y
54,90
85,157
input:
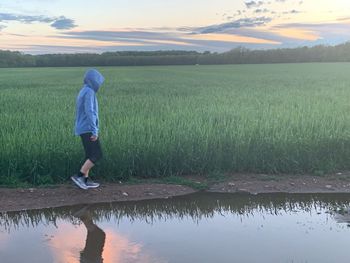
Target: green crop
x,y
165,121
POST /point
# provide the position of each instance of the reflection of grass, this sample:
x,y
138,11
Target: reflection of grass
x,y
195,206
163,121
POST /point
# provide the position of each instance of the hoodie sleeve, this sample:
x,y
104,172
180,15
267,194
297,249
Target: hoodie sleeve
x,y
90,111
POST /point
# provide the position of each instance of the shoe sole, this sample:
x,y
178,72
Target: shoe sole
x,y
78,183
92,187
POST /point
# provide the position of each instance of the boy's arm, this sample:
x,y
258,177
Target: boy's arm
x,y
90,112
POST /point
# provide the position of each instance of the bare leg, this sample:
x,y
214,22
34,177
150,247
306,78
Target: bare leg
x,y
85,169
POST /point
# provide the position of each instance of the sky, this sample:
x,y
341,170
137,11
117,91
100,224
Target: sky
x,y
79,26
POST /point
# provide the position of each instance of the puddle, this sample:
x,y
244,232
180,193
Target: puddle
x,y
202,227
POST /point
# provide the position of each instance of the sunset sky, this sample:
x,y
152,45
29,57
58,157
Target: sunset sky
x,y
62,26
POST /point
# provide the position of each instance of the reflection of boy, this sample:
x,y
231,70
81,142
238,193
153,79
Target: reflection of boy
x,y
95,241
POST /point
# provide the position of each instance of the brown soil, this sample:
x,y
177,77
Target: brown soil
x,y
258,184
66,195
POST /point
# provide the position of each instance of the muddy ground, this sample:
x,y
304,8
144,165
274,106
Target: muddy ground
x,y
66,195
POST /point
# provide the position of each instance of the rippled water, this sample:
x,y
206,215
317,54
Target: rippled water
x,y
202,227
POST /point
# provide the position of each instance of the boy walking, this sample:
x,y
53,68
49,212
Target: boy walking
x,y
87,127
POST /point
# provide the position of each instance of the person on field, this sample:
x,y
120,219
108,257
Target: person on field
x,y
87,127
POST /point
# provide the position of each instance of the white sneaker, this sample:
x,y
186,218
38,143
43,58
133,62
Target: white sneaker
x,y
79,181
91,184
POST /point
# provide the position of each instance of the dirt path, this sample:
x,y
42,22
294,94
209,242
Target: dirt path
x,y
66,195
258,184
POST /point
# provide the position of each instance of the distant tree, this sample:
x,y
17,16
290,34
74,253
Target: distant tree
x,y
238,55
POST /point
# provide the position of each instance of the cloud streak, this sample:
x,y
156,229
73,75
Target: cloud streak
x,y
56,22
175,38
256,25
221,37
329,33
152,40
63,23
239,23
252,4
4,17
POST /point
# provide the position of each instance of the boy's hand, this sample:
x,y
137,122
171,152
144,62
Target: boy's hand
x,y
94,138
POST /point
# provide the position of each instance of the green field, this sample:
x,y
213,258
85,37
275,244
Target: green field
x,y
160,121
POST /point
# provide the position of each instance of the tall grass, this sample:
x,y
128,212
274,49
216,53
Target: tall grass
x,y
159,121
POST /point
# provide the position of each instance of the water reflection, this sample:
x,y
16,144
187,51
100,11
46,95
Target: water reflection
x,y
195,206
99,246
197,228
342,216
95,239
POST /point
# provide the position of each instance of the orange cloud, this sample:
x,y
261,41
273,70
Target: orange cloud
x,y
15,42
68,241
297,33
119,249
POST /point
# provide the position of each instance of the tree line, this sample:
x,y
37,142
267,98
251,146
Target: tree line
x,y
239,55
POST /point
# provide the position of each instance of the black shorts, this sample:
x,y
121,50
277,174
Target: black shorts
x,y
93,150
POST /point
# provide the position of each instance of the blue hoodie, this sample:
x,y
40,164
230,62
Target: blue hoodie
x,y
86,119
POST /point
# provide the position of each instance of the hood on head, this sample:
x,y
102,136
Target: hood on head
x,y
93,79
